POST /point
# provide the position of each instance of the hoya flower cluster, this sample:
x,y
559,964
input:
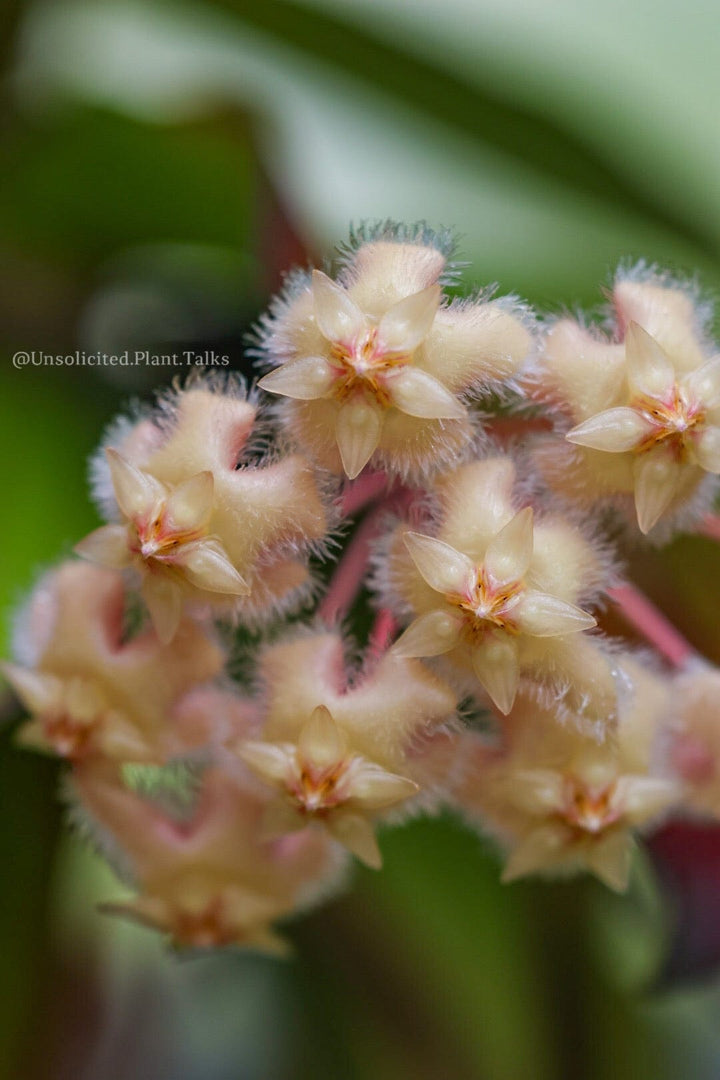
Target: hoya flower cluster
x,y
231,747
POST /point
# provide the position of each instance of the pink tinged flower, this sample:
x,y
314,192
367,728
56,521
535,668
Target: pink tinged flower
x,y
166,539
90,691
671,424
323,780
486,606
368,368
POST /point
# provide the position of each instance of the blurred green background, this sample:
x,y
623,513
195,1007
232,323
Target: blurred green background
x,y
163,163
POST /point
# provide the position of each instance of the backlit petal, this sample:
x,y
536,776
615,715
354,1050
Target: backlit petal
x,y
539,850
509,552
206,565
406,324
610,860
374,787
542,615
357,429
337,316
706,450
321,741
38,693
164,602
357,835
418,394
305,379
649,369
445,569
430,635
137,492
188,506
614,430
271,761
108,546
496,665
703,384
657,479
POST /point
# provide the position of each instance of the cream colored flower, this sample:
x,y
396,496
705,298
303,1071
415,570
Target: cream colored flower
x,y
322,780
377,364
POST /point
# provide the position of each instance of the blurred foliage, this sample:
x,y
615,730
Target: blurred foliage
x,y
128,223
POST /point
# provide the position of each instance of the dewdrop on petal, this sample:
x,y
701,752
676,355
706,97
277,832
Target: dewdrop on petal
x,y
494,588
646,411
334,752
212,880
201,531
377,365
91,693
562,802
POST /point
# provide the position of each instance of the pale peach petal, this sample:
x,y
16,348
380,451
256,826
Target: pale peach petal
x,y
321,742
305,379
84,701
508,555
406,324
418,394
497,666
119,739
706,450
358,426
443,568
542,615
137,493
356,834
206,565
31,736
537,791
189,505
658,476
38,693
266,940
641,798
610,859
373,787
339,319
273,762
430,635
164,602
279,819
703,385
615,431
108,546
539,850
649,369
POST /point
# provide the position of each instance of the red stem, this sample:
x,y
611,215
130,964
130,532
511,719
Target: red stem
x,y
382,633
350,571
641,613
356,496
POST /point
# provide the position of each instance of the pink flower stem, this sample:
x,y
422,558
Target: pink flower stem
x,y
710,526
643,616
382,633
350,571
359,493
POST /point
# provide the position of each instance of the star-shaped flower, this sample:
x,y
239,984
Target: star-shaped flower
x,y
670,425
322,780
487,607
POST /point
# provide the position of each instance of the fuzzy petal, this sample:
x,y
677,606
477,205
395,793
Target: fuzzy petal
x,y
337,316
189,505
497,666
614,430
430,635
703,384
206,565
321,743
164,601
444,569
406,324
272,762
137,492
357,429
108,546
542,615
418,394
356,834
649,369
305,379
657,479
508,555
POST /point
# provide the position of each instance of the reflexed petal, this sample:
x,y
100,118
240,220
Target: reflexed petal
x,y
357,429
615,430
706,450
649,369
321,742
496,665
703,384
137,492
271,761
206,565
445,569
430,635
657,479
406,324
306,379
337,316
610,860
538,850
38,693
418,394
542,615
357,835
509,552
164,602
188,506
108,546
374,787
